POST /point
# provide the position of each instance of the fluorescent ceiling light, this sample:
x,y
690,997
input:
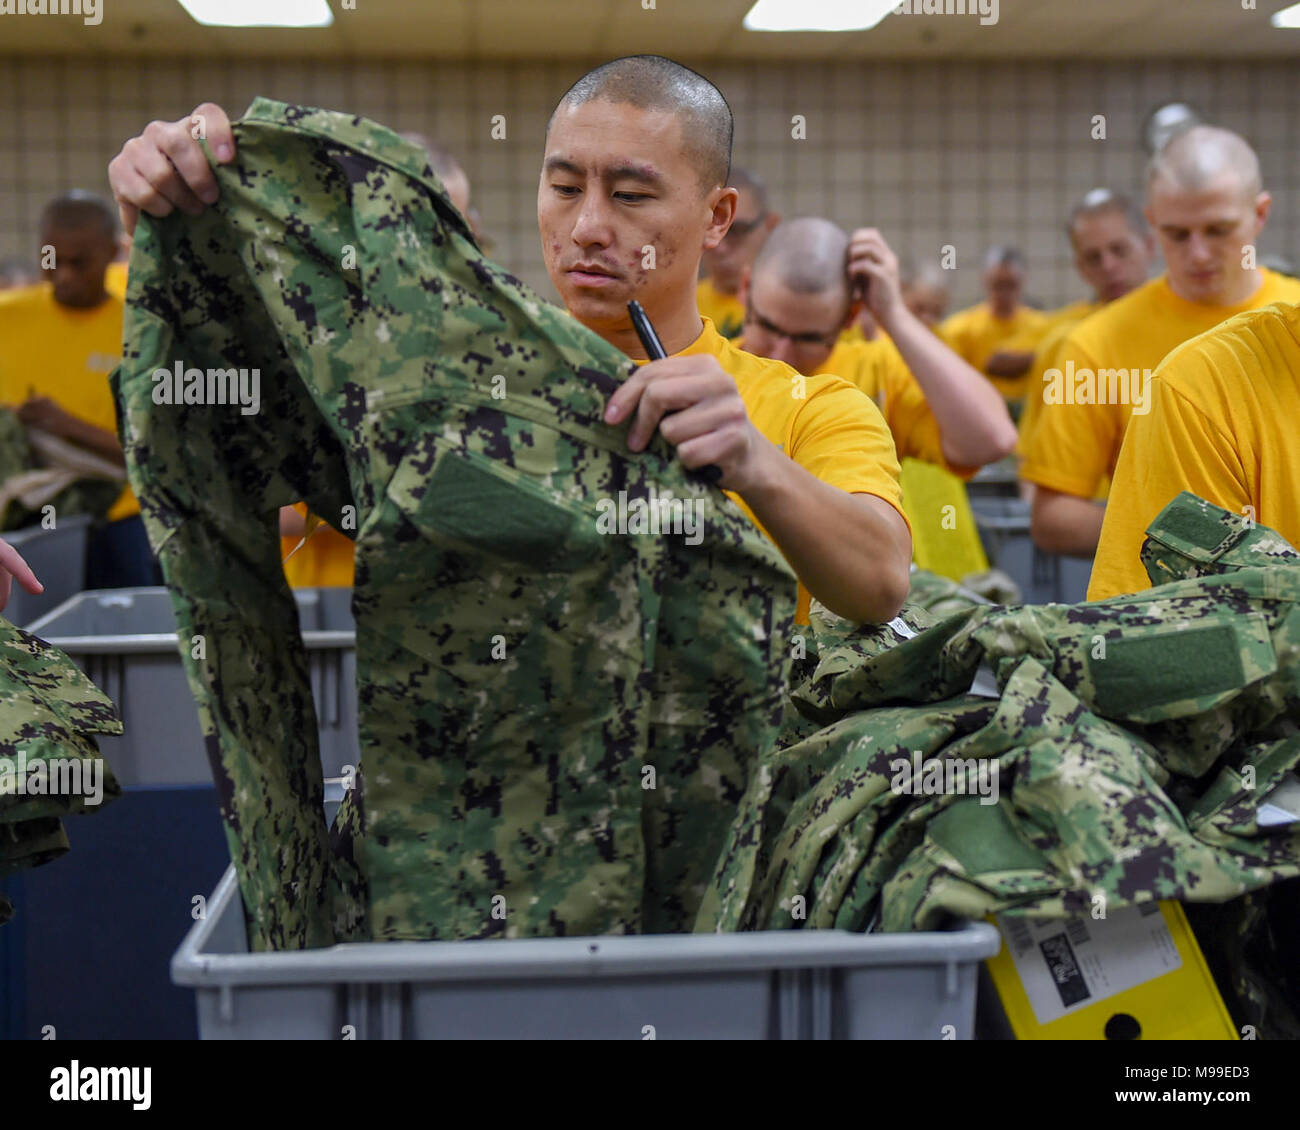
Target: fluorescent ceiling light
x,y
260,13
817,15
1287,17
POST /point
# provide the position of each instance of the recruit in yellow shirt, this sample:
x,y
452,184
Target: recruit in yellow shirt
x,y
878,369
832,430
327,560
725,311
975,335
65,354
1225,414
115,279
1074,446
1044,359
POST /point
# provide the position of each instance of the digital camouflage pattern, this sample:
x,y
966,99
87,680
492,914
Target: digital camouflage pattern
x,y
1126,735
556,724
1194,538
48,709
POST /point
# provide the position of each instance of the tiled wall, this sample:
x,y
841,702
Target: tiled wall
x,y
932,154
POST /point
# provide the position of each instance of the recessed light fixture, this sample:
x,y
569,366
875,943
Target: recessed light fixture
x,y
1287,17
817,15
260,13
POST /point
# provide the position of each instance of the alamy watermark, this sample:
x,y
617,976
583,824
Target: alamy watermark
x,y
179,385
945,776
987,10
91,11
659,515
1101,386
53,776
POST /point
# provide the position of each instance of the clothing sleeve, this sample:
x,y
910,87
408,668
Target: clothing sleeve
x,y
1044,359
840,436
1172,448
953,332
1070,447
910,417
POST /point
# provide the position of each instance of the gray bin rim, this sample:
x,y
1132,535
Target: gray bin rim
x,y
20,537
147,642
547,958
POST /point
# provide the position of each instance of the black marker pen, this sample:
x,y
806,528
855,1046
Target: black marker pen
x,y
654,348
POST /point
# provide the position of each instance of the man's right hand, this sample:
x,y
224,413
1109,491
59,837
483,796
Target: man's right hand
x,y
164,168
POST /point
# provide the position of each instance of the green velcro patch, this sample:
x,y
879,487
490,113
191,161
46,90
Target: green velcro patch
x,y
487,511
1196,531
1142,671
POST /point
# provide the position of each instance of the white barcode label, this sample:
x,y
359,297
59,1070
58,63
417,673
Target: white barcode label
x,y
1017,935
1067,964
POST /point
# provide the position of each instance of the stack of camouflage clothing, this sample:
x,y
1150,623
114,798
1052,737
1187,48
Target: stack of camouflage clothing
x,y
1139,748
39,469
49,764
556,722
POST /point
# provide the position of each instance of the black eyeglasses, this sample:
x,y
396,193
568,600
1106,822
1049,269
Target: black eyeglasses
x,y
741,228
799,340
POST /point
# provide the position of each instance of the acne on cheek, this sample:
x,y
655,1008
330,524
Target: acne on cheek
x,y
663,257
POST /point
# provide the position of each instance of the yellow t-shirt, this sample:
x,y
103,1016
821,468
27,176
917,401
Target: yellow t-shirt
x,y
833,431
878,369
1068,315
1073,446
1225,413
725,311
326,561
65,354
115,280
975,335
1044,359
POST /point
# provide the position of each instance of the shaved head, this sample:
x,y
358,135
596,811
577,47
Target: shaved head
x,y
746,181
1199,157
79,209
651,82
440,157
808,256
1001,256
1099,202
929,275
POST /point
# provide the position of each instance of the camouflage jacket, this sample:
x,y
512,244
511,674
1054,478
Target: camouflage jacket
x,y
50,766
1136,748
556,720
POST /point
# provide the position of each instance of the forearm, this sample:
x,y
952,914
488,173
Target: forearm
x,y
1009,363
99,440
852,552
1066,523
974,425
292,524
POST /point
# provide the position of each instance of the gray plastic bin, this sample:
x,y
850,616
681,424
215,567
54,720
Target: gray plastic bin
x,y
57,557
125,641
1044,578
996,480
802,984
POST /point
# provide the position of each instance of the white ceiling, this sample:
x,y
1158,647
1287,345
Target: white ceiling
x,y
688,29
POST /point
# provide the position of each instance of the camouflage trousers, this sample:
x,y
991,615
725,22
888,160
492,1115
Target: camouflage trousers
x,y
1139,748
50,766
561,687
